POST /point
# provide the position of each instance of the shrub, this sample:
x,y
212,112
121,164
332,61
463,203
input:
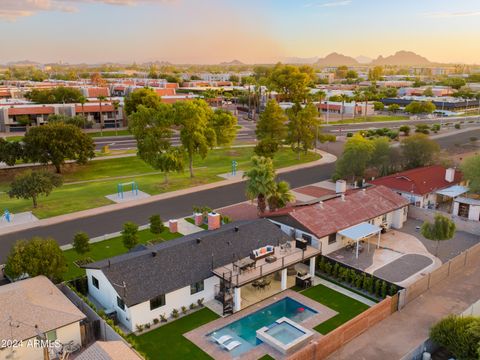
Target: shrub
x,y
393,289
392,134
200,302
81,243
383,290
335,270
457,126
328,268
139,327
352,276
174,313
370,285
156,321
147,326
364,282
378,286
422,128
163,318
405,129
321,264
184,310
225,219
358,281
435,128
349,134
156,224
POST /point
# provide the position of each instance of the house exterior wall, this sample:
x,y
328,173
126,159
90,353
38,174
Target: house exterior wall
x,y
27,350
473,212
141,313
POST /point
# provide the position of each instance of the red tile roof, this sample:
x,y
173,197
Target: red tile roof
x,y
171,85
164,92
31,110
94,108
337,214
419,181
96,92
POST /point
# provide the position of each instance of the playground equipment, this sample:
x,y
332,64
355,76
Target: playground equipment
x,y
234,167
7,216
120,188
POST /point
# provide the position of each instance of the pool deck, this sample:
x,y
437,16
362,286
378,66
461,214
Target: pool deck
x,y
199,335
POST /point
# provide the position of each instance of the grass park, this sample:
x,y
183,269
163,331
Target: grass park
x,y
376,118
85,186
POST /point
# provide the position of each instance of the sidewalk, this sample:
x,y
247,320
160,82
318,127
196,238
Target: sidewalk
x,y
408,328
326,159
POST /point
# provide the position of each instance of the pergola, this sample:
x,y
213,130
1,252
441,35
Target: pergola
x,y
453,191
360,232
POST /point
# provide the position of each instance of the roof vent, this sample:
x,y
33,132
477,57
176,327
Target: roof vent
x,y
236,228
199,240
154,253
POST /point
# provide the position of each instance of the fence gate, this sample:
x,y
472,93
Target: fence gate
x,y
90,332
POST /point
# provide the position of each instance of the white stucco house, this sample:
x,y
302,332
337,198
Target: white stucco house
x,y
32,310
467,208
321,223
152,281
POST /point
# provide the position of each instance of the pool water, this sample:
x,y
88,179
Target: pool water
x,y
285,332
245,329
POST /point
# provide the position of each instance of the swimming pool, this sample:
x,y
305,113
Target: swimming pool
x,y
244,330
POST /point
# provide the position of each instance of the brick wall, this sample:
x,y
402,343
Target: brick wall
x,y
331,342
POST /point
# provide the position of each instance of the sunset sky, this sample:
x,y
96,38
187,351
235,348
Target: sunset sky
x,y
252,31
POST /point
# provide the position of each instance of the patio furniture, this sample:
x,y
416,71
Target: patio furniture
x,y
271,259
222,339
286,247
301,244
244,264
267,283
262,252
231,345
303,281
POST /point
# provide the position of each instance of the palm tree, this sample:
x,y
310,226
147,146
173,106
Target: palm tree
x,y
344,98
280,196
82,100
260,181
116,105
100,99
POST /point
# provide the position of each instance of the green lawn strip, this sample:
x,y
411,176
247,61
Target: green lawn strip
x,y
14,138
109,133
77,197
108,248
346,307
266,357
352,289
192,221
168,342
380,118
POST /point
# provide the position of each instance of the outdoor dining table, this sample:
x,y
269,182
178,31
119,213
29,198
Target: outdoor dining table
x,y
244,264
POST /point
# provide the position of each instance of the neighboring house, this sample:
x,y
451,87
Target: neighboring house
x,y
144,284
108,350
425,187
35,308
467,208
320,222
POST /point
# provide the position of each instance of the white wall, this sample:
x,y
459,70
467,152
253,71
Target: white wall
x,y
473,212
141,313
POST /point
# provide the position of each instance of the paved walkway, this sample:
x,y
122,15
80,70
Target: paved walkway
x,y
186,228
326,159
407,329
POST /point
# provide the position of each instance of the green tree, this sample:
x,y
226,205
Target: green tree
x,y
156,224
81,243
455,82
420,107
78,120
225,125
378,106
380,156
272,124
32,184
266,147
393,108
130,235
458,334
146,97
39,256
57,142
260,181
280,196
355,158
471,171
441,229
302,128
10,151
351,74
428,92
291,82
375,73
405,129
418,150
60,94
194,118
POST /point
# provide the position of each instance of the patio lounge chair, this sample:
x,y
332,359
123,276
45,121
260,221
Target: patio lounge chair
x,y
231,345
222,339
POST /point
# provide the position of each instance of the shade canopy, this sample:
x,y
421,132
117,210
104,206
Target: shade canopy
x,y
360,231
453,191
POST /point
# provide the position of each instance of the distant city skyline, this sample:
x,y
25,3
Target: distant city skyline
x,y
252,31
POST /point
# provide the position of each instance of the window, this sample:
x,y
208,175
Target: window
x,y
308,238
332,239
384,218
157,302
95,282
463,210
120,303
51,335
197,287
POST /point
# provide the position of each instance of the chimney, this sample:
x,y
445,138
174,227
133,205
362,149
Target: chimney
x,y
340,186
198,217
450,175
173,225
213,221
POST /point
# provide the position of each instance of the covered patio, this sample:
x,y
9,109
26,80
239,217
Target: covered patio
x,y
361,232
446,196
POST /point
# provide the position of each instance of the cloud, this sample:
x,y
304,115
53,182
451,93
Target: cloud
x,y
452,14
334,3
10,10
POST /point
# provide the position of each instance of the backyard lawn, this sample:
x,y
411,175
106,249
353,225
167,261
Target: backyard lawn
x,y
167,342
108,248
85,186
346,307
